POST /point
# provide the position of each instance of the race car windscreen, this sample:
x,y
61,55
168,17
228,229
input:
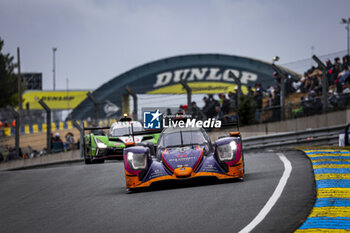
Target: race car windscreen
x,y
173,139
122,131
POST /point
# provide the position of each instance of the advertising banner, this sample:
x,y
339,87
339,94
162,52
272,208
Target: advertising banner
x,y
54,99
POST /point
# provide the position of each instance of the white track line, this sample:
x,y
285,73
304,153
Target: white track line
x,y
275,196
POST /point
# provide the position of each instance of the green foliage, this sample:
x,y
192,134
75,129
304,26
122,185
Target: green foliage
x,y
246,110
8,81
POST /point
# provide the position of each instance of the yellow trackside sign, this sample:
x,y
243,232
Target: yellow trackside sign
x,y
54,99
198,88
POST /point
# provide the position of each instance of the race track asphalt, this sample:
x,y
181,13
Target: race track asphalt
x,y
92,198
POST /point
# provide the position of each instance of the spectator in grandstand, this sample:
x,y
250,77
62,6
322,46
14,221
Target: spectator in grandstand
x,y
206,105
277,79
336,69
297,84
69,141
209,108
57,143
232,99
270,92
344,76
276,108
196,112
289,85
258,97
315,103
220,98
346,89
250,91
333,98
315,78
225,104
345,95
338,85
12,154
346,60
304,104
233,96
337,63
218,113
329,67
270,100
306,84
184,107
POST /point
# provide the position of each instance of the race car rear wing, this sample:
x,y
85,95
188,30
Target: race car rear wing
x,y
96,130
145,132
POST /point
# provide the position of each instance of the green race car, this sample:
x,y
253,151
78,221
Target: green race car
x,y
100,145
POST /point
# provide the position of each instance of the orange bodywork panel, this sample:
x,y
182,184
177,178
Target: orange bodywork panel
x,y
235,171
183,171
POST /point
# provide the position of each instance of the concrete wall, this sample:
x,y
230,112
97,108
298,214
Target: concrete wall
x,y
46,159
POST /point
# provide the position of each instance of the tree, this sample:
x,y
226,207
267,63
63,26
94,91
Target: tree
x,y
8,81
246,110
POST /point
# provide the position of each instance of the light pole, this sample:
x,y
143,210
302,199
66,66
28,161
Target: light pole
x,y
54,68
67,81
347,22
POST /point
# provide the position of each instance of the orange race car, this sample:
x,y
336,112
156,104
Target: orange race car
x,y
183,153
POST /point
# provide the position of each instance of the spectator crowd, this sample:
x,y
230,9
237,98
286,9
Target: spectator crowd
x,y
8,153
309,85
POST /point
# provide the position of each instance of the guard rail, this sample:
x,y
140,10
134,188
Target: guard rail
x,y
314,137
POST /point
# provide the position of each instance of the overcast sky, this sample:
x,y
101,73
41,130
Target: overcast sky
x,y
97,40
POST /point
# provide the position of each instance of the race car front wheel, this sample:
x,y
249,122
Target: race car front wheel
x,y
87,160
98,161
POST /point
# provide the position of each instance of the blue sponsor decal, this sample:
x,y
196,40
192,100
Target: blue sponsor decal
x,y
152,120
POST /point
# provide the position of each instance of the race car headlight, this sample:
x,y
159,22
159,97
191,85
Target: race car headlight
x,y
137,161
227,152
100,144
